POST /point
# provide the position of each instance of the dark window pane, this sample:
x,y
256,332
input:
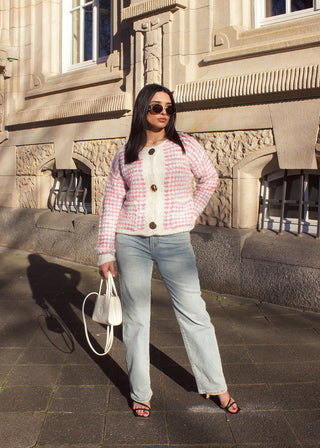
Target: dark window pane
x,y
274,210
275,189
86,184
291,210
297,5
275,193
87,33
71,184
293,188
313,196
293,194
104,27
275,7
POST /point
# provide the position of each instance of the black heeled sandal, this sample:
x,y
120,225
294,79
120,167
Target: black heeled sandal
x,y
226,408
145,408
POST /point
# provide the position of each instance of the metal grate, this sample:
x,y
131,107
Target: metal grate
x,y
293,198
69,193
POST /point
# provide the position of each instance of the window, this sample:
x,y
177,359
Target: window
x,y
290,201
87,32
71,191
273,11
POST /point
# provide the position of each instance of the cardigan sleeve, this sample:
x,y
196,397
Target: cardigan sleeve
x,y
203,170
114,195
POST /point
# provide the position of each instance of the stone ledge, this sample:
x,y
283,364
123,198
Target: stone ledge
x,y
150,7
64,221
97,74
259,49
56,221
235,43
218,254
278,269
268,83
286,249
106,106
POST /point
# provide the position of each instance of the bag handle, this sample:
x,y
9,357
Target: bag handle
x,y
109,283
109,337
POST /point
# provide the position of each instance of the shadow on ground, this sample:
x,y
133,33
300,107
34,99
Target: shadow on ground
x,y
55,288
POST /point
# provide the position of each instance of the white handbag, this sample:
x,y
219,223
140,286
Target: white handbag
x,y
107,311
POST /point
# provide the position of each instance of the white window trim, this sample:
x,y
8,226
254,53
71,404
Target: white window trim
x,y
67,65
261,20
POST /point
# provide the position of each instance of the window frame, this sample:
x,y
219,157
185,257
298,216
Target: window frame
x,y
296,225
67,64
261,20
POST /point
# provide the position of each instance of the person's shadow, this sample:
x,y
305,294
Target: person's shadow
x,y
55,290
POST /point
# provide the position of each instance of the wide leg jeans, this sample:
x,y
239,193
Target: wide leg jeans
x,y
174,257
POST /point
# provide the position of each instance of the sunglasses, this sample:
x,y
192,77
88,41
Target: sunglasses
x,y
157,109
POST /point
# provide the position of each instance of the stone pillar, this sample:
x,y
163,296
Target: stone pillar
x,y
152,57
149,40
150,19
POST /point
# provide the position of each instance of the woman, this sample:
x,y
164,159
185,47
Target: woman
x,y
148,211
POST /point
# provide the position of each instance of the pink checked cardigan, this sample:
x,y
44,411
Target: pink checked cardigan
x,y
154,195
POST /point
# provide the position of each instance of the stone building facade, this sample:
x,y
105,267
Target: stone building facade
x,y
245,75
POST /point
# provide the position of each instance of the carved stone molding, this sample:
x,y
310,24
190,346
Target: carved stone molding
x,y
113,104
152,48
152,30
27,191
150,7
5,64
31,158
7,55
37,80
227,150
99,153
269,82
221,40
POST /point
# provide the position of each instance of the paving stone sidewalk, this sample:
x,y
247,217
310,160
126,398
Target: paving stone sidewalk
x,y
54,393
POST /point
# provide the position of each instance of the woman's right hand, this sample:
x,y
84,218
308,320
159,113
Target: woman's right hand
x,y
104,268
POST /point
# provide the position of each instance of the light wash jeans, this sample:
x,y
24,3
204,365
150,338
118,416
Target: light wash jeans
x,y
174,257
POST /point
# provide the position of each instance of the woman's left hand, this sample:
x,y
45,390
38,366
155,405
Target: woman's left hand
x,y
105,267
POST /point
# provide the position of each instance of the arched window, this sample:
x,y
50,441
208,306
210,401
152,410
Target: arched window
x,y
289,201
87,32
71,191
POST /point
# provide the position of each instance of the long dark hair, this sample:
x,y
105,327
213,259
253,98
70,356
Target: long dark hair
x,y
138,136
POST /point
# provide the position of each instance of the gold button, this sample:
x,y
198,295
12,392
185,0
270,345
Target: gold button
x,y
154,187
152,225
151,151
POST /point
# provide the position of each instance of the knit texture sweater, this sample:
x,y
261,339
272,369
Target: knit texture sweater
x,y
154,195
